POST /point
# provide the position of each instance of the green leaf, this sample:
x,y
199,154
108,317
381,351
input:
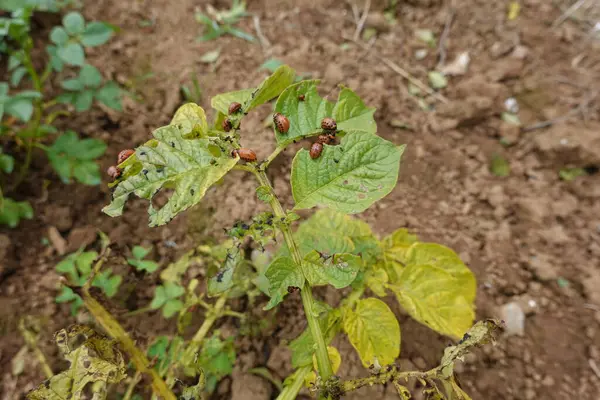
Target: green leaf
x,y
186,165
21,108
499,166
305,116
222,101
107,282
569,174
11,212
110,96
55,61
83,100
87,172
376,281
160,298
90,76
437,80
426,36
351,114
71,54
72,85
17,75
145,265
271,64
192,119
96,34
173,290
89,149
271,87
338,270
303,347
374,332
223,280
264,193
172,307
7,163
349,177
73,23
140,252
59,36
331,232
282,273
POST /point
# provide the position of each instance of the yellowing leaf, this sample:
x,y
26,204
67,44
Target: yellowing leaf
x,y
514,8
334,357
373,331
444,258
481,333
435,298
376,280
192,119
97,359
222,101
348,177
395,247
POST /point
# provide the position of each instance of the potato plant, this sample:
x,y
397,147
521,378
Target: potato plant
x,y
29,109
347,169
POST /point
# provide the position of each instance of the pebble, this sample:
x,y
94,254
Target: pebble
x,y
514,319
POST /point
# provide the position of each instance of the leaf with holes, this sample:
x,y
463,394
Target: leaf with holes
x,y
349,177
282,274
338,270
170,160
373,331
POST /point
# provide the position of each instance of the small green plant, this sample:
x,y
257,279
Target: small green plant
x,y
348,168
77,268
219,23
28,108
137,261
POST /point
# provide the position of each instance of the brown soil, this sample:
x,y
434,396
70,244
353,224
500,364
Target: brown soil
x,y
519,234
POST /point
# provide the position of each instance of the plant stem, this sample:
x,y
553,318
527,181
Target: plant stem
x,y
198,338
290,392
323,362
31,339
114,329
134,381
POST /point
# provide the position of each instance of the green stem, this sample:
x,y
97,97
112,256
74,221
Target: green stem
x,y
323,362
290,392
132,384
198,338
282,146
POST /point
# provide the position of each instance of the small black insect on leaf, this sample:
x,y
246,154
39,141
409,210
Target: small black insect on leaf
x,y
220,275
192,192
173,144
145,172
465,337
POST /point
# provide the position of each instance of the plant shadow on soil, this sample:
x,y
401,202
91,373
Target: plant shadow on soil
x,y
519,234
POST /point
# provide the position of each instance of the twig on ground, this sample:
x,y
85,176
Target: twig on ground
x,y
580,108
594,367
402,72
568,13
264,42
444,37
361,22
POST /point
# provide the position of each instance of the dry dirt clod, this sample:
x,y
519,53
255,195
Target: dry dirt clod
x,y
246,386
57,241
81,237
543,268
58,216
